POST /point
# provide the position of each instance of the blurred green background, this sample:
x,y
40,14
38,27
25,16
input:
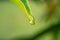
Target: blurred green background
x,y
14,24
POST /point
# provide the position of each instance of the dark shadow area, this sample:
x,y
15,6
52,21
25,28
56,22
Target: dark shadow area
x,y
53,28
55,33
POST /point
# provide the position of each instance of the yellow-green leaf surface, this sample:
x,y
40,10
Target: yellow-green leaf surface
x,y
23,4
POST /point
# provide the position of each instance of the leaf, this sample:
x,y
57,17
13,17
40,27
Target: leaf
x,y
23,4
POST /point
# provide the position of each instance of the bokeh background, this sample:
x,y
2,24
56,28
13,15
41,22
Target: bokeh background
x,y
14,24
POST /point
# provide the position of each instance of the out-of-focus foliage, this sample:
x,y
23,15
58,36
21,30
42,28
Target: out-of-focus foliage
x,y
13,23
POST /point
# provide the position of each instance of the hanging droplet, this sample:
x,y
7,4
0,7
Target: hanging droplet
x,y
23,4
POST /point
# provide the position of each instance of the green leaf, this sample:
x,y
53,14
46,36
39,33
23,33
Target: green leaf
x,y
23,4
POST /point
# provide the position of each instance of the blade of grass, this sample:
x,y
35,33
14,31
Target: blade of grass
x,y
23,4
